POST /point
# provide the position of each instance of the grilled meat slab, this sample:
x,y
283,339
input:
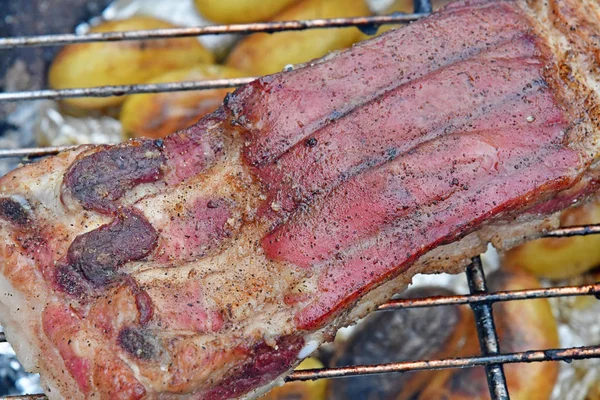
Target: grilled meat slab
x,y
209,263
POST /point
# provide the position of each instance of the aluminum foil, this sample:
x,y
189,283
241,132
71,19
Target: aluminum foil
x,y
53,128
577,321
20,136
579,325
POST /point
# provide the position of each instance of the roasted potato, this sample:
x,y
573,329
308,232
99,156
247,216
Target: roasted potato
x,y
561,258
155,115
122,63
594,391
522,325
263,53
240,11
309,390
400,335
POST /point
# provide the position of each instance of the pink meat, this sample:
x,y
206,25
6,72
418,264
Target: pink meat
x,y
209,263
480,93
322,94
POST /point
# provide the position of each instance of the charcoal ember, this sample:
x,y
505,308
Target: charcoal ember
x,y
395,336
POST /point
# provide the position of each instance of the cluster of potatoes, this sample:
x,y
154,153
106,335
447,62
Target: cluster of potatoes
x,y
186,59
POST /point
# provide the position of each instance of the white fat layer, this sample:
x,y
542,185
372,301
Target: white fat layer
x,y
19,321
13,312
308,349
48,191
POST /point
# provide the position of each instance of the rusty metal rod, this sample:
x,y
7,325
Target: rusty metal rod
x,y
583,290
568,354
486,332
33,151
269,27
122,90
574,231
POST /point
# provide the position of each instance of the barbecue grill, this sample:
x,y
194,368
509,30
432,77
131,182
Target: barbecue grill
x,y
479,299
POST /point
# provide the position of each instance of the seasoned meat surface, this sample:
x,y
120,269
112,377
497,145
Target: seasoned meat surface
x,y
208,264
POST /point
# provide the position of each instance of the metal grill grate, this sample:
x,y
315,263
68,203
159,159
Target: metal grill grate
x,y
480,299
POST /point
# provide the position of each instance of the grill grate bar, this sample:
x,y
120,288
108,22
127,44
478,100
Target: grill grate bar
x,y
121,90
566,354
574,231
269,27
486,331
584,290
33,151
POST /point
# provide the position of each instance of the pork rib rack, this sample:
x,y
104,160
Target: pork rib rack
x,y
209,263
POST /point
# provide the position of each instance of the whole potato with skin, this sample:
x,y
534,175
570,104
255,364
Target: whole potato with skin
x,y
122,63
263,53
407,6
155,115
240,11
561,258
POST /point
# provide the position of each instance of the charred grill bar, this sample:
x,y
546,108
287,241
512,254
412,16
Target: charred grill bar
x,y
479,299
567,354
107,91
486,331
422,9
